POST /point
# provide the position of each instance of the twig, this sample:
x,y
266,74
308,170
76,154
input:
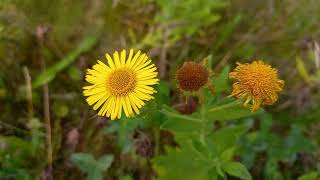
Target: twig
x,y
271,7
41,34
317,54
224,60
163,56
46,105
19,130
29,92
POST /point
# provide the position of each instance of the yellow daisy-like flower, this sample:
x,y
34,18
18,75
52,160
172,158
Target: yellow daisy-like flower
x,y
258,82
125,83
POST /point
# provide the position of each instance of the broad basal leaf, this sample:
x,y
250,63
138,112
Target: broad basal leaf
x,y
237,169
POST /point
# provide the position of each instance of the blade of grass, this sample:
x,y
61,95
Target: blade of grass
x,y
51,72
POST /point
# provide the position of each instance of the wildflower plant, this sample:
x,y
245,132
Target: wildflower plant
x,y
205,150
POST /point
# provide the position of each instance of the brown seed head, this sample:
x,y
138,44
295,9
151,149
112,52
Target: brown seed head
x,y
192,76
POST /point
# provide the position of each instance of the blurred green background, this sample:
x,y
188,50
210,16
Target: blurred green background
x,y
52,43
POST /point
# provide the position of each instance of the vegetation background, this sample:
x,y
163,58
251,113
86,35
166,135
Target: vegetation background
x,y
46,46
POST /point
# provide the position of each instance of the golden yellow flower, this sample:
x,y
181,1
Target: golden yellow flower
x,y
258,82
125,83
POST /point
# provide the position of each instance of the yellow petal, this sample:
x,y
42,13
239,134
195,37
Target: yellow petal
x,y
101,101
103,65
94,98
128,105
114,110
92,91
134,103
103,109
149,68
143,65
134,97
123,57
110,61
148,82
101,69
145,91
120,107
135,57
125,109
140,62
129,57
110,106
116,59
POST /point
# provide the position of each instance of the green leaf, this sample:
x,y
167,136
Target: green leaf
x,y
309,176
15,173
221,81
180,164
179,123
302,69
213,174
124,128
163,91
105,162
237,169
225,138
15,151
230,111
227,154
52,71
85,162
174,114
127,177
219,170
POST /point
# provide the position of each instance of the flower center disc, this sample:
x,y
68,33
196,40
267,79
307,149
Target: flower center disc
x,y
121,82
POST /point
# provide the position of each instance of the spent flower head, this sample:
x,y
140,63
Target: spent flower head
x,y
192,76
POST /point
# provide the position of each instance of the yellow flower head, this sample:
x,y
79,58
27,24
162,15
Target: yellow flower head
x,y
125,83
258,82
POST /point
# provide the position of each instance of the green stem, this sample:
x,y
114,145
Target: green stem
x,y
204,121
179,116
157,140
233,103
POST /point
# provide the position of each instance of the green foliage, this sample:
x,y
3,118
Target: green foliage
x,y
15,155
278,148
124,130
178,19
201,156
221,81
309,176
203,153
149,117
236,169
190,15
94,168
